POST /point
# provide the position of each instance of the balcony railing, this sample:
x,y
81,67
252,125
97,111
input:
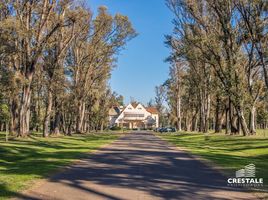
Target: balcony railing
x,y
133,116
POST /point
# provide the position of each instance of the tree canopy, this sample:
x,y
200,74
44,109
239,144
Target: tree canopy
x,y
218,73
56,60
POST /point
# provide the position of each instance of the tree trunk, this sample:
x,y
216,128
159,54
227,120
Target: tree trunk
x,y
57,119
28,117
189,123
56,124
69,130
207,114
80,117
179,113
64,124
85,127
264,66
252,127
23,129
201,120
234,127
227,122
7,131
101,126
217,117
242,120
194,122
232,118
238,126
13,123
46,123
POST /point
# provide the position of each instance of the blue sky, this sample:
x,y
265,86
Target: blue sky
x,y
141,65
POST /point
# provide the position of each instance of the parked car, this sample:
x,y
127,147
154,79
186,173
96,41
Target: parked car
x,y
166,129
162,129
157,129
170,129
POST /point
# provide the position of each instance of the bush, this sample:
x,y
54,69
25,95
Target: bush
x,y
115,128
4,113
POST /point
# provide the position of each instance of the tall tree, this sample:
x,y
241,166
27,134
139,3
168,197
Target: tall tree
x,y
218,41
55,59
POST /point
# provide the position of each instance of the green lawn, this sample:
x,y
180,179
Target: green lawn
x,y
229,152
24,160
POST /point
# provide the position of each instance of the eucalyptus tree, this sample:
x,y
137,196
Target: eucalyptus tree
x,y
175,93
55,62
55,55
32,24
253,33
159,102
254,23
94,59
222,42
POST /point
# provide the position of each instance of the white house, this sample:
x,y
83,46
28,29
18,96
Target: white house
x,y
134,116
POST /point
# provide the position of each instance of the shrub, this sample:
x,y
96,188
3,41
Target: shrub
x,y
115,128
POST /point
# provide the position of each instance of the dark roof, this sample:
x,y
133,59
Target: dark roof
x,y
152,110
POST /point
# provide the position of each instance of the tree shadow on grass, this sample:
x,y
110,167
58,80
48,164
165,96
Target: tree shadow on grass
x,y
6,192
142,163
38,158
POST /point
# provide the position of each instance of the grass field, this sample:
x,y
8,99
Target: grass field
x,y
229,152
22,161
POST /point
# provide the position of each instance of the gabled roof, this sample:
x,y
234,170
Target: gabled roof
x,y
116,111
134,104
152,110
